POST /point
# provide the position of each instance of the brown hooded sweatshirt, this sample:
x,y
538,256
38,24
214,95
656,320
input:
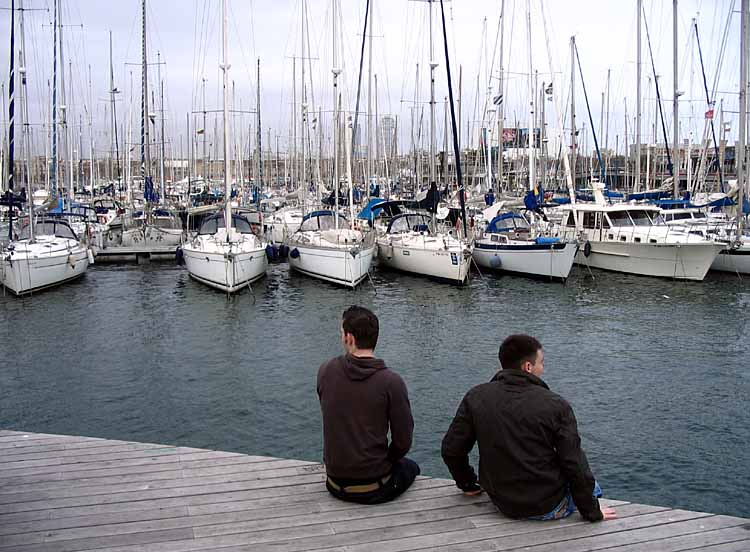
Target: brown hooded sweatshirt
x,y
359,399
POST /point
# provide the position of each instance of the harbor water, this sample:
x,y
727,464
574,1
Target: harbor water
x,y
657,371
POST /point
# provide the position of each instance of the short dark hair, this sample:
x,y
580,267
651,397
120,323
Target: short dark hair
x,y
363,325
517,349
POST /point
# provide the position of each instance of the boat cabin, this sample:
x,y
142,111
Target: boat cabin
x,y
214,223
321,220
49,227
409,222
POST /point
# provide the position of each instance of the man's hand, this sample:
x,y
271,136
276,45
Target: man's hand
x,y
609,513
472,490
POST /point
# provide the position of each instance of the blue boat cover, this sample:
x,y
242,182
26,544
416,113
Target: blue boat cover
x,y
492,226
371,210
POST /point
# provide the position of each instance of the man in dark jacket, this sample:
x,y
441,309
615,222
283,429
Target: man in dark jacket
x,y
360,399
530,459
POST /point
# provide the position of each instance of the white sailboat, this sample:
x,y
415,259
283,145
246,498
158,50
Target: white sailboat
x,y
226,254
45,253
507,245
414,243
45,256
327,246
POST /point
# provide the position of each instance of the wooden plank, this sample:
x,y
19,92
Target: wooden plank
x,y
158,493
525,533
179,478
108,542
154,467
733,538
86,521
38,453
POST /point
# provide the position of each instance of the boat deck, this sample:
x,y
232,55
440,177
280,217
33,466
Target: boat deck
x,y
67,493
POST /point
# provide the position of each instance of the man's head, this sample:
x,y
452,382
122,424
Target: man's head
x,y
359,329
522,352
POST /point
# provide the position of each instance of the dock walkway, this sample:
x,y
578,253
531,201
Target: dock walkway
x,y
63,493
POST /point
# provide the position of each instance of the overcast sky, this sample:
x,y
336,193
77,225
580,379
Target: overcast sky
x,y
186,33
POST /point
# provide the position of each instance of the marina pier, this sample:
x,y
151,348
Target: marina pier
x,y
61,493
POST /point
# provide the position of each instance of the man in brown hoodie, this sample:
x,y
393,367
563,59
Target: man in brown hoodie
x,y
360,399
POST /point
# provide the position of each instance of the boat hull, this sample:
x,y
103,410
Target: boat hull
x,y
733,260
335,265
689,261
31,270
229,270
552,261
450,265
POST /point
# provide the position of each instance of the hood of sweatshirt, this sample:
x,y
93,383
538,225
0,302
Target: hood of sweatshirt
x,y
361,368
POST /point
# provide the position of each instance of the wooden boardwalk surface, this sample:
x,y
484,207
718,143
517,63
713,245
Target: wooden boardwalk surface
x,y
65,493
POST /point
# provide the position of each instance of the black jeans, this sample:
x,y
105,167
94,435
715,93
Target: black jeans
x,y
402,476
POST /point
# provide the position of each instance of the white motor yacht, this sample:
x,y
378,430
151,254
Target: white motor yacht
x,y
626,237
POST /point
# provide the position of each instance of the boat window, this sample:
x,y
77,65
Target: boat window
x,y
620,218
640,218
681,216
637,240
210,226
167,223
589,219
409,223
521,223
699,215
570,221
49,228
659,220
321,222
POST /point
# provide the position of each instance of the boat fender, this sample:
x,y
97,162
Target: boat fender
x,y
270,253
587,249
294,253
91,256
179,256
496,262
283,251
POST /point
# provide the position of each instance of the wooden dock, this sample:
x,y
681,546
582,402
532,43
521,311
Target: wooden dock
x,y
66,493
135,254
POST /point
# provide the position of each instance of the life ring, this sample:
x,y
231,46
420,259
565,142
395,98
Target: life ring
x,y
587,249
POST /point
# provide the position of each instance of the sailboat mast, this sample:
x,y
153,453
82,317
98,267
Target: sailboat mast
x,y
369,104
225,118
336,71
433,66
63,106
162,185
573,137
24,126
501,105
11,95
145,139
741,155
675,107
531,106
260,146
637,185
303,97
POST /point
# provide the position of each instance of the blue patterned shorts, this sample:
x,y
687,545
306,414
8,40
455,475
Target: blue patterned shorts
x,y
566,506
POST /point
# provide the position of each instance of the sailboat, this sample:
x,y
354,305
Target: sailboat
x,y
155,225
327,246
45,252
226,254
415,243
